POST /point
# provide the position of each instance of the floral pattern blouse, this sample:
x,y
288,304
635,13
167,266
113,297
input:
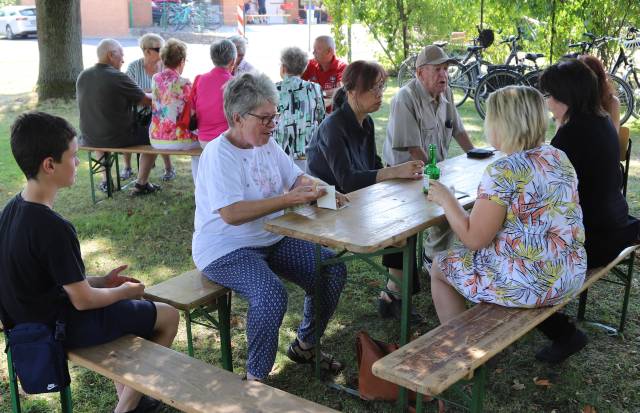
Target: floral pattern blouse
x,y
538,257
169,93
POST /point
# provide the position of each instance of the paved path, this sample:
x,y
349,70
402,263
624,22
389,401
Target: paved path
x,y
19,58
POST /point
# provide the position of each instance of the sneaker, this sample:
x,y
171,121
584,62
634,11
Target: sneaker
x,y
103,187
393,308
169,175
126,173
559,351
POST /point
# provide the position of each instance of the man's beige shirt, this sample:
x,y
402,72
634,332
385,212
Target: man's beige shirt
x,y
417,119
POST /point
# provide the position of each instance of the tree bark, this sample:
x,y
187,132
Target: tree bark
x,y
60,48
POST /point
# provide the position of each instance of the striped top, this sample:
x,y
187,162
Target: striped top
x,y
139,75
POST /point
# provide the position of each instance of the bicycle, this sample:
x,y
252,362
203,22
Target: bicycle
x,y
622,88
624,59
514,71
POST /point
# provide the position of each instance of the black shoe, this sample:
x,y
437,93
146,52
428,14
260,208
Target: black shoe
x,y
146,405
559,351
393,309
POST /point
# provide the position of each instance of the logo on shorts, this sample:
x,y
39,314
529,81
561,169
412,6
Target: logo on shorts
x,y
51,386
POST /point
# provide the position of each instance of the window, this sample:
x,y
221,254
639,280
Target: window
x,y
28,12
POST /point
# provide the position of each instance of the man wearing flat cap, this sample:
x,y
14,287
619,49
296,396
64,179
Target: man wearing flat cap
x,y
423,113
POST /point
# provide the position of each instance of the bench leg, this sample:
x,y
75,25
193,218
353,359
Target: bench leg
x,y
627,291
582,305
119,186
224,317
91,173
187,319
477,394
13,385
65,400
419,403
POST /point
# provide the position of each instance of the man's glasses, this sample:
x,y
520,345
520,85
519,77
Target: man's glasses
x,y
266,120
156,49
379,88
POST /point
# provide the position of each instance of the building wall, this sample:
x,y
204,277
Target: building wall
x,y
101,18
230,11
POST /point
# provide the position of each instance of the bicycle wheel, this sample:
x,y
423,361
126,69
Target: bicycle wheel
x,y
494,80
625,96
533,79
633,79
407,70
459,82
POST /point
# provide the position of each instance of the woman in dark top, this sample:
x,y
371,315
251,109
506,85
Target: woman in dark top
x,y
343,153
587,135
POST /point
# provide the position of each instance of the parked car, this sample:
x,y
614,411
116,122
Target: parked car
x,y
18,21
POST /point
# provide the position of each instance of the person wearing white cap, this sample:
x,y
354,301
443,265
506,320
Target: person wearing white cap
x,y
423,113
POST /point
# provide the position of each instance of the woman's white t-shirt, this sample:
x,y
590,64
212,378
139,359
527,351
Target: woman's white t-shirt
x,y
226,175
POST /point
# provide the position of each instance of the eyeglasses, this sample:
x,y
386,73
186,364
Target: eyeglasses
x,y
379,88
156,49
546,95
266,120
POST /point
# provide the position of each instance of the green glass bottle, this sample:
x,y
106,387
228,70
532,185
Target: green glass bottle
x,y
431,171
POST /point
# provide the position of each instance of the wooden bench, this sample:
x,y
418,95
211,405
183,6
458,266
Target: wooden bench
x,y
459,348
110,158
177,380
198,298
183,382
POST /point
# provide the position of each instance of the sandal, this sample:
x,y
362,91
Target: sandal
x,y
301,356
103,187
145,189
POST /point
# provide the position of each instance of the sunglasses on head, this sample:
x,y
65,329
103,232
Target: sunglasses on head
x,y
157,49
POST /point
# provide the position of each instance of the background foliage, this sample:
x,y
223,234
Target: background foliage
x,y
403,26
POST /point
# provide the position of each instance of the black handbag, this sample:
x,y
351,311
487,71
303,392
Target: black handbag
x,y
38,358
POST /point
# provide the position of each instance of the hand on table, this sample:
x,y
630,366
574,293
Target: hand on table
x,y
439,193
341,199
304,194
410,170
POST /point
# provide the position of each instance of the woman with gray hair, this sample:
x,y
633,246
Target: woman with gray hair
x,y
141,71
241,66
301,106
207,94
244,180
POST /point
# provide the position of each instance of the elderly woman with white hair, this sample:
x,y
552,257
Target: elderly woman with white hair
x,y
141,71
301,105
241,66
207,92
244,180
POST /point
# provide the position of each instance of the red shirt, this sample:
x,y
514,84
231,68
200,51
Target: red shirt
x,y
327,79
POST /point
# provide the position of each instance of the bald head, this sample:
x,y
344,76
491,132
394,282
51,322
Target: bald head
x,y
110,52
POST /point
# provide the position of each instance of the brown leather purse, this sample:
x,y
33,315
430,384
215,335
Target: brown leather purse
x,y
371,387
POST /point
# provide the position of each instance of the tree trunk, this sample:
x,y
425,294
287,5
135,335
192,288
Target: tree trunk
x,y
60,48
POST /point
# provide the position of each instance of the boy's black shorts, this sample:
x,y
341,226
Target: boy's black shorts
x,y
102,325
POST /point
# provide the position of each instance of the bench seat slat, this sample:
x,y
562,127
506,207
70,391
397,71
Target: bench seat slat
x,y
186,291
435,361
183,382
144,149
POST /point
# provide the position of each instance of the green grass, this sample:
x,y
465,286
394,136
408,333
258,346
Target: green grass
x,y
153,235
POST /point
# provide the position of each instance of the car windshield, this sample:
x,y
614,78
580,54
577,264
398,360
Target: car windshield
x,y
28,12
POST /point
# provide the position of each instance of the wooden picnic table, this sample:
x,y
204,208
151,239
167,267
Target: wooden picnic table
x,y
380,216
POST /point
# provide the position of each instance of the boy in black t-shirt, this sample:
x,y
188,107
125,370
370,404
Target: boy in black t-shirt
x,y
42,276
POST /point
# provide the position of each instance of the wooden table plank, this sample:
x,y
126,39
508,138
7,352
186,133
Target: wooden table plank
x,y
381,214
183,382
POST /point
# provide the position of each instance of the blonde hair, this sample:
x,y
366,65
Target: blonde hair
x,y
149,40
516,118
173,53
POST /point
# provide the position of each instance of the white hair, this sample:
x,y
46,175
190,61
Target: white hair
x,y
328,40
105,46
240,43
